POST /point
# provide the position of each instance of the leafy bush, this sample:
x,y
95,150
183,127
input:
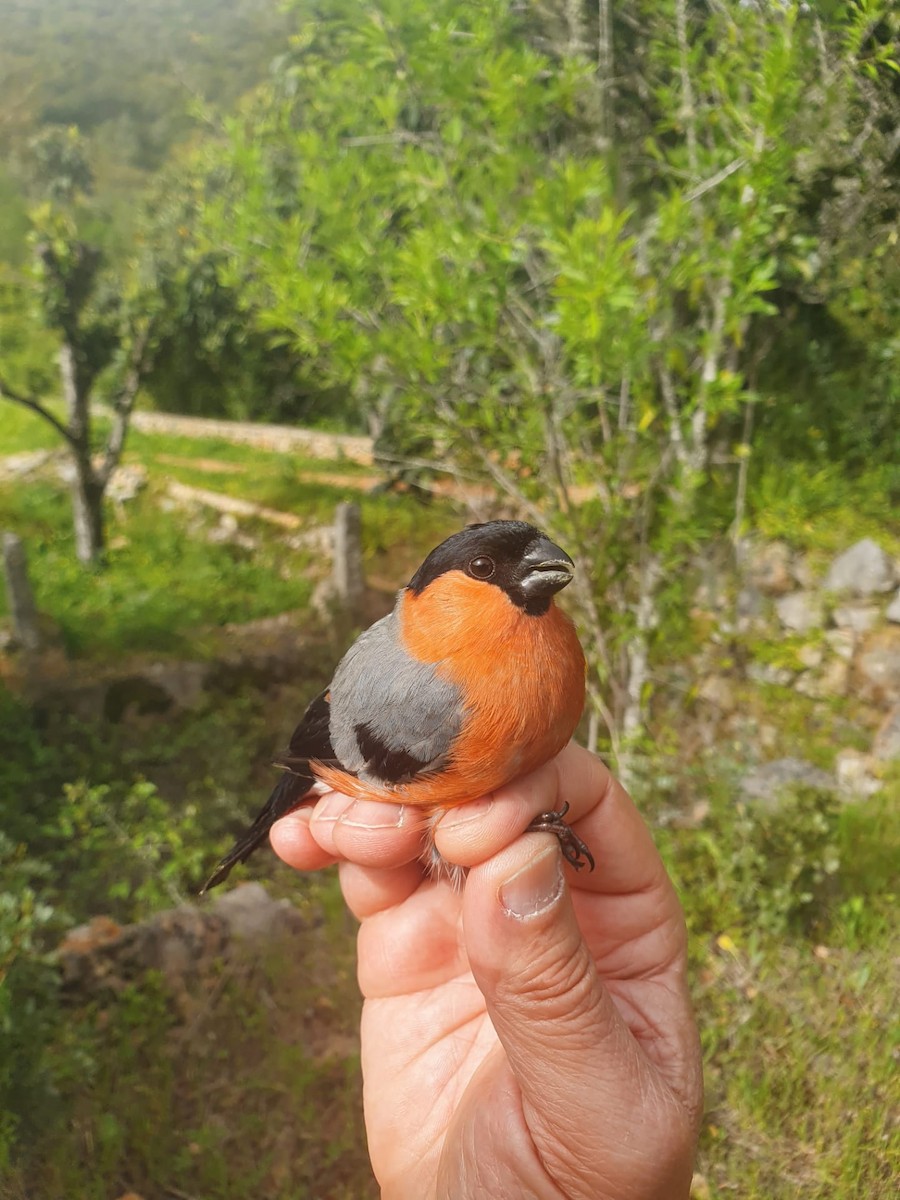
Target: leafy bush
x,y
26,986
763,868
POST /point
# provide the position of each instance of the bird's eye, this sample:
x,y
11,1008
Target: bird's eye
x,y
481,567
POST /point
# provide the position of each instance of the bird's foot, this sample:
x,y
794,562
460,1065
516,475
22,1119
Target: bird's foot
x,y
574,850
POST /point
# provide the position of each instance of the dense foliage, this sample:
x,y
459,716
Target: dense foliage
x,y
588,293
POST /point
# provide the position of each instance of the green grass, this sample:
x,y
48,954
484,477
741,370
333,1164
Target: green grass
x,y
824,510
215,1095
796,998
164,582
801,1073
22,430
249,1086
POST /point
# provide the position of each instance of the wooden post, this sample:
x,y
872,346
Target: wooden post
x,y
349,582
21,598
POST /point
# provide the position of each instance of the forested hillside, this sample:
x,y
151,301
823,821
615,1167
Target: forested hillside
x,y
133,76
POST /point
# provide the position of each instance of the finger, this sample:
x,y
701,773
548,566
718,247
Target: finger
x,y
567,1045
414,946
293,842
600,811
371,890
370,833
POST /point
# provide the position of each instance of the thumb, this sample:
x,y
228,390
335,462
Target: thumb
x,y
580,1072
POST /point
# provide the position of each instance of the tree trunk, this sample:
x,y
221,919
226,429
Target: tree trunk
x,y
87,511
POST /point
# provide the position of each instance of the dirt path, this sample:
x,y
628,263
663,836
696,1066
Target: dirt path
x,y
280,438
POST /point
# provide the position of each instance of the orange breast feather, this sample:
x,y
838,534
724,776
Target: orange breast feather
x,y
522,678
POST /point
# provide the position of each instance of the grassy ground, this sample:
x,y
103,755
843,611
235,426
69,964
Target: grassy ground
x,y
796,995
165,581
255,1091
250,1087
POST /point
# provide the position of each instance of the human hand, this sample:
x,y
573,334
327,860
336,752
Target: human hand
x,y
532,1034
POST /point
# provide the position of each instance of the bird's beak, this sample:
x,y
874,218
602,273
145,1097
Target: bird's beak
x,y
546,569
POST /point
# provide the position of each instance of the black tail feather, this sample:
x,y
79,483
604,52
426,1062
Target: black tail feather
x,y
310,741
289,793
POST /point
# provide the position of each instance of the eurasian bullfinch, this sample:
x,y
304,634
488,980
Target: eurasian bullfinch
x,y
474,678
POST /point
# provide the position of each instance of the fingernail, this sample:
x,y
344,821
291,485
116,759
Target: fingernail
x,y
331,808
369,814
467,812
535,887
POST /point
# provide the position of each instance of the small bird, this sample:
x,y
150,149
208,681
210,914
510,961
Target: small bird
x,y
475,678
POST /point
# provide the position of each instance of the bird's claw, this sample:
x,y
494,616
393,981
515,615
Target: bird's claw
x,y
574,850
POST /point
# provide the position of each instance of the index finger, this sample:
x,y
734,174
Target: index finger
x,y
601,812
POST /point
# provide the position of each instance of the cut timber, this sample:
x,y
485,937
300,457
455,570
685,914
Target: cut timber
x,y
348,577
182,493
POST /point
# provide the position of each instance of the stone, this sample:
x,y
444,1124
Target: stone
x,y
765,784
893,609
750,603
853,770
767,673
125,482
876,668
858,617
251,915
718,692
768,568
842,642
831,681
184,682
18,466
863,570
801,612
183,943
811,655
803,573
229,530
767,736
886,747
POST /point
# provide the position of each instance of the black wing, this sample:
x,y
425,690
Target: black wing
x,y
310,740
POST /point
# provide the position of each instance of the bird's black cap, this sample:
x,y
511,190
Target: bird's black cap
x,y
511,555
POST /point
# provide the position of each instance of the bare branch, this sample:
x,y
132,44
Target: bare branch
x,y
605,62
670,400
9,393
689,109
714,180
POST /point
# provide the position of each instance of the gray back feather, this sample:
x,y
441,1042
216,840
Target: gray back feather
x,y
392,718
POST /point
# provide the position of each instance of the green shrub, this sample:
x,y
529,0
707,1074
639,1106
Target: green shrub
x,y
768,869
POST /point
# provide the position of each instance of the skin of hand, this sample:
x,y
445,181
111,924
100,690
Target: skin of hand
x,y
530,1036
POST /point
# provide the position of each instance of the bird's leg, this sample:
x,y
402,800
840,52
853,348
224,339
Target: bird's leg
x,y
574,850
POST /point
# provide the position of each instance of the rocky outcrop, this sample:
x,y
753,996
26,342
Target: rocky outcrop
x,y
801,612
183,944
876,667
767,568
863,570
886,747
828,634
765,784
